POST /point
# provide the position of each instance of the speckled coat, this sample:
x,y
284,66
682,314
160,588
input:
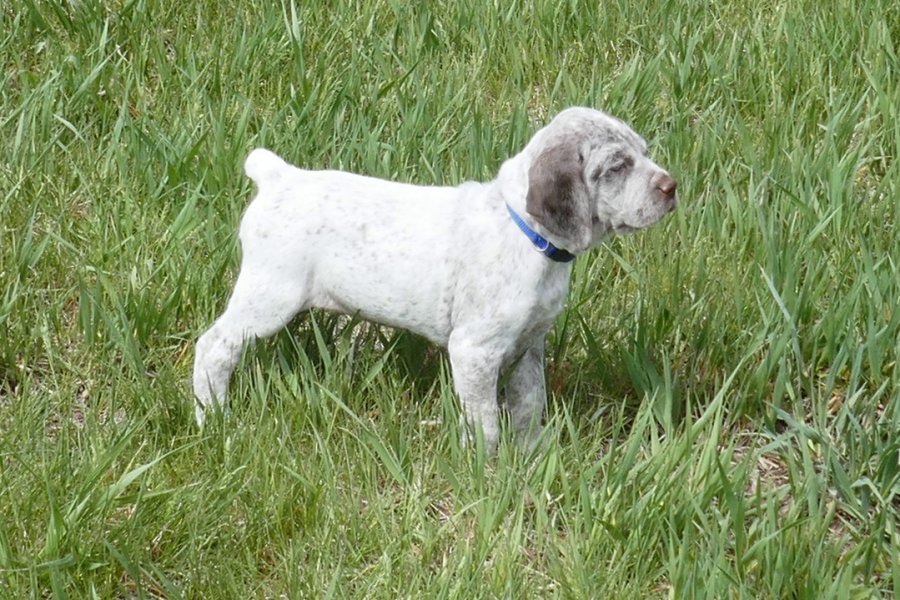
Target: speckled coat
x,y
447,263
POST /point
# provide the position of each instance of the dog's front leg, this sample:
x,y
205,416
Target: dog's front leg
x,y
475,368
525,396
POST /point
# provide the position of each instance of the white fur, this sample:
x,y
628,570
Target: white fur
x,y
447,263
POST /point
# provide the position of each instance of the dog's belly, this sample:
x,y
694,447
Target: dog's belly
x,y
403,298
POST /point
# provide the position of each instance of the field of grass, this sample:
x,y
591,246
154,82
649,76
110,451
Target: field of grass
x,y
724,418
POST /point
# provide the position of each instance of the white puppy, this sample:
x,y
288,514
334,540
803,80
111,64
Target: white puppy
x,y
481,269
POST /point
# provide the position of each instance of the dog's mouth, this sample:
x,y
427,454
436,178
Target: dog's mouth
x,y
624,229
670,203
646,218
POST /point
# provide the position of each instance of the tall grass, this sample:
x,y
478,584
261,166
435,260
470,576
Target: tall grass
x,y
724,409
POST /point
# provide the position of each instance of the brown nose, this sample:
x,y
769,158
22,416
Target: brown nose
x,y
667,185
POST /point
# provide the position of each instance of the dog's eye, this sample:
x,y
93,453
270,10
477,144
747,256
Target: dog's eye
x,y
616,165
620,165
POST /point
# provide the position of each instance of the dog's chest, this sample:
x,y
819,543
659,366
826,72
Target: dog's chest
x,y
549,302
538,302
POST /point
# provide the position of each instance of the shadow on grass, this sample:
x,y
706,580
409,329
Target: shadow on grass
x,y
349,354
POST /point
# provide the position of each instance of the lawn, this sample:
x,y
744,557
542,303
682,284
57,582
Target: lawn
x,y
724,419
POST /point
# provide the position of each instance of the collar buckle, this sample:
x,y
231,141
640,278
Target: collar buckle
x,y
541,244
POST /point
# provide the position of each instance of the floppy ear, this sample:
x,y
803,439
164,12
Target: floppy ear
x,y
558,196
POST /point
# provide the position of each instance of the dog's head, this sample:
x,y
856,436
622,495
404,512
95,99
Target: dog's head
x,y
590,176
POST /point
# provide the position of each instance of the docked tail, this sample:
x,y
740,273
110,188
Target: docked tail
x,y
264,167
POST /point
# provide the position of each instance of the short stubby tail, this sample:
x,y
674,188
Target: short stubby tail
x,y
264,167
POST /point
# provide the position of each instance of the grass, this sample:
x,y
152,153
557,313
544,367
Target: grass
x,y
724,419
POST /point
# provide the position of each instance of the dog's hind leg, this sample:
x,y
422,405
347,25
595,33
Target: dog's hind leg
x,y
260,305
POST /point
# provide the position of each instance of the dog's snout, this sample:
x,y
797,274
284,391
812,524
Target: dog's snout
x,y
667,185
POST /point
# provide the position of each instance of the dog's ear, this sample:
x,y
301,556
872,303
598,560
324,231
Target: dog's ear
x,y
558,197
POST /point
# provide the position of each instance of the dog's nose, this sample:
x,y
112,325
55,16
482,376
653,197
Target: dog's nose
x,y
667,185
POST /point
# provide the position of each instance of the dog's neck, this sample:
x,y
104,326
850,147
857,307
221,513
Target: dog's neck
x,y
541,244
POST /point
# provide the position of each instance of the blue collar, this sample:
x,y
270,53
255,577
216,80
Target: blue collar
x,y
541,243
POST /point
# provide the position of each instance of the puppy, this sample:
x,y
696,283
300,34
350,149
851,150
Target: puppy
x,y
481,269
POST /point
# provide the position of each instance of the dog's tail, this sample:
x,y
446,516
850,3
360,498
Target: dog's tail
x,y
264,167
